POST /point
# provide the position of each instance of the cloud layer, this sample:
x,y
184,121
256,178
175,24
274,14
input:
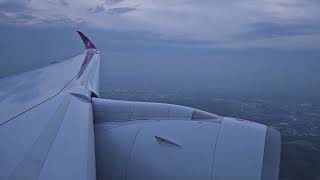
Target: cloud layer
x,y
229,24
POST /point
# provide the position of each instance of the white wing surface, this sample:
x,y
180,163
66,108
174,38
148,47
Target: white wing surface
x,y
46,120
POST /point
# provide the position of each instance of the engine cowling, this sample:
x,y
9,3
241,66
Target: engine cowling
x,y
176,142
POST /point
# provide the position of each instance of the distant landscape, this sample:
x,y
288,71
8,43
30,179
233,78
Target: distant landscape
x,y
298,120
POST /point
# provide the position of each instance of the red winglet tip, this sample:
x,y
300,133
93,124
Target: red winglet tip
x,y
87,43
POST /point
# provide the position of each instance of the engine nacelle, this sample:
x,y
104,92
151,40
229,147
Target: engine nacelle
x,y
176,142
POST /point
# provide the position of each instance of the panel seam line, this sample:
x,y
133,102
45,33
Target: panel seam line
x,y
39,103
131,151
214,151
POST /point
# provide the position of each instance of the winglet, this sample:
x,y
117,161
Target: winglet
x,y
88,44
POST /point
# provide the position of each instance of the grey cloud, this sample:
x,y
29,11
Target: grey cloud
x,y
59,2
26,18
263,30
14,12
186,21
15,2
111,11
13,5
97,9
64,2
112,1
17,18
120,10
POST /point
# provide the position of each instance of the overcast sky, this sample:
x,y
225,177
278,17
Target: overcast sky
x,y
234,24
275,43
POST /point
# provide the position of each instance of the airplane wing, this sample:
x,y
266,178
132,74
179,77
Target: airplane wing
x,y
46,120
53,125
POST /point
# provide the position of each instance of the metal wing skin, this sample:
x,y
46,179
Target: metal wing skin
x,y
54,126
46,122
